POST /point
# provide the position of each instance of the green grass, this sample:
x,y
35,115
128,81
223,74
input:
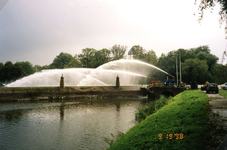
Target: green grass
x,y
84,87
223,93
151,108
186,115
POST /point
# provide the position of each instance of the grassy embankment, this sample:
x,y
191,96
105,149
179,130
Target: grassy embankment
x,y
182,124
152,107
223,93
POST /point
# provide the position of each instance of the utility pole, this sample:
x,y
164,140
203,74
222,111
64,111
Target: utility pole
x,y
180,66
225,51
177,71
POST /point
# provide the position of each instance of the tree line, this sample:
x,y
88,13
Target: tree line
x,y
198,64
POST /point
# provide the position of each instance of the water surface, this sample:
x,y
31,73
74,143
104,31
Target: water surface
x,y
72,124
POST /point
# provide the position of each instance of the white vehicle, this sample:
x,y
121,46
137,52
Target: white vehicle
x,y
224,86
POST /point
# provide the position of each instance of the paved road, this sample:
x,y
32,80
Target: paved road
x,y
219,112
218,101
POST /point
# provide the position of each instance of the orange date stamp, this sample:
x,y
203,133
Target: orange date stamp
x,y
172,136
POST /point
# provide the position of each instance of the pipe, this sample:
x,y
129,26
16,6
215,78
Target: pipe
x,y
151,78
177,70
171,76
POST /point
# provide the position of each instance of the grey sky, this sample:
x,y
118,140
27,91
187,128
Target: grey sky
x,y
38,30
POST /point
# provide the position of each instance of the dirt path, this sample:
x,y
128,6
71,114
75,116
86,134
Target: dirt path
x,y
219,116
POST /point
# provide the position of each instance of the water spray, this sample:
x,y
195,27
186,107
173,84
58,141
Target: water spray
x,y
102,75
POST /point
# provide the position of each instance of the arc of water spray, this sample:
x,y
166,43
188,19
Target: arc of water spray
x,y
125,72
115,71
93,78
139,62
134,61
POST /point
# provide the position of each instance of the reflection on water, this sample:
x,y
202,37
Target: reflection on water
x,y
62,110
80,124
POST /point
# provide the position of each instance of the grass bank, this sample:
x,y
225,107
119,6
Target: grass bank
x,y
182,124
223,93
152,107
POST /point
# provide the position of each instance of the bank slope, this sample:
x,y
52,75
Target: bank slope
x,y
180,125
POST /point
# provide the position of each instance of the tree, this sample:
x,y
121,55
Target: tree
x,y
11,72
204,48
210,59
18,71
168,64
28,67
87,57
195,70
101,57
220,75
209,4
74,63
8,71
46,67
61,60
138,52
38,68
151,57
1,72
202,53
118,51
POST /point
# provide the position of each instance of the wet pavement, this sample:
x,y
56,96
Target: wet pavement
x,y
219,114
219,108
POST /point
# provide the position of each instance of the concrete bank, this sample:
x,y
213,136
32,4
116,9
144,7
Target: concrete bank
x,y
49,93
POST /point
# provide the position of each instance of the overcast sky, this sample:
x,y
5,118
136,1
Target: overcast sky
x,y
38,30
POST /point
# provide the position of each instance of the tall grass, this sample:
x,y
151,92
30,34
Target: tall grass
x,y
152,107
223,93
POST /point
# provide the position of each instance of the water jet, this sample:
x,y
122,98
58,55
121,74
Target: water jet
x,y
130,72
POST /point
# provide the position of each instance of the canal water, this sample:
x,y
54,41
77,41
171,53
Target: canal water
x,y
72,124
